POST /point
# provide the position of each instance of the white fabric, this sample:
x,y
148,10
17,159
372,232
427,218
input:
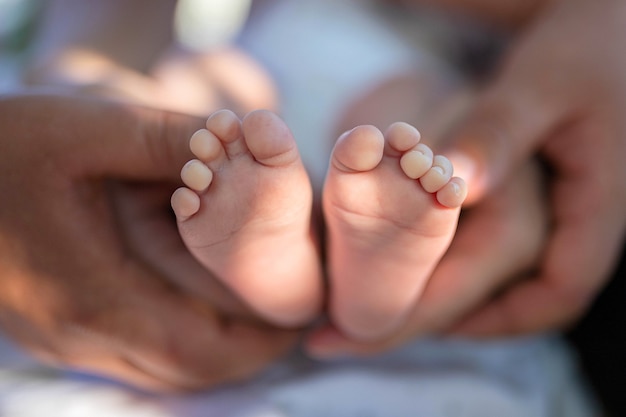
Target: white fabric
x,y
322,53
523,378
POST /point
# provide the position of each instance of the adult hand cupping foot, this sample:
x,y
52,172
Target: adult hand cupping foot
x,y
560,94
79,290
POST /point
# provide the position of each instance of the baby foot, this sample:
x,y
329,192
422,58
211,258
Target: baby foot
x,y
387,230
246,212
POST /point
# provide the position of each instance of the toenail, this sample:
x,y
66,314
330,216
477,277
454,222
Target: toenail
x,y
415,163
196,175
204,145
438,169
402,136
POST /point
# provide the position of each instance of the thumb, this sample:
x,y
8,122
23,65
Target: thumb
x,y
92,136
505,124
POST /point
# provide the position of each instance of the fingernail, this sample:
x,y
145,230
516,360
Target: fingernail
x,y
464,166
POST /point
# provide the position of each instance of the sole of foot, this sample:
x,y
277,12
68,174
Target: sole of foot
x,y
391,208
245,214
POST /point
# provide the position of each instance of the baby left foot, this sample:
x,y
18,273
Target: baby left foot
x,y
246,215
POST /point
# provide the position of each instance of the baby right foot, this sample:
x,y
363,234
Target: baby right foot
x,y
387,230
246,213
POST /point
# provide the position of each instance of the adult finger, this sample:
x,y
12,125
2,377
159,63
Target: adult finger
x,y
144,213
589,201
162,339
116,368
499,132
108,139
522,104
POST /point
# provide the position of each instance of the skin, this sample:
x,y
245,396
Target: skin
x,y
390,208
559,93
81,47
99,49
471,270
574,122
541,109
77,291
246,215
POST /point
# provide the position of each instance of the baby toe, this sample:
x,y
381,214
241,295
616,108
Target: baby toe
x,y
360,149
196,175
205,146
185,203
438,175
453,193
416,162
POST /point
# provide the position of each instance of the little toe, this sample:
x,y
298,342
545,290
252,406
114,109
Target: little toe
x,y
402,136
361,149
226,126
269,139
417,161
185,203
206,146
453,193
196,175
438,175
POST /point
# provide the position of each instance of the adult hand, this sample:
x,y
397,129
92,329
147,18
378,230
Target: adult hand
x,y
77,290
561,94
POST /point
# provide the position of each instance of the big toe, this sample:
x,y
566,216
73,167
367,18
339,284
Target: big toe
x,y
360,149
269,139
